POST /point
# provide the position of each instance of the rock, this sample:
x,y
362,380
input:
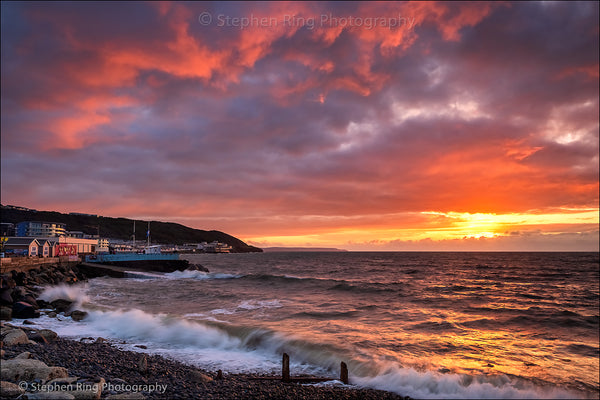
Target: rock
x,y
101,340
22,309
61,304
5,313
23,356
198,267
2,353
29,299
51,314
141,346
29,370
126,396
28,322
6,297
15,336
63,381
78,315
198,377
10,390
50,396
44,336
142,364
88,390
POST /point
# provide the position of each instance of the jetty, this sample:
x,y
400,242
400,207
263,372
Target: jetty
x,y
116,265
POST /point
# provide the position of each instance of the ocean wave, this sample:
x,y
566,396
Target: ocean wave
x,y
75,293
434,385
199,275
235,348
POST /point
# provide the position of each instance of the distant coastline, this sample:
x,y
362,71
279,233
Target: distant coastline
x,y
301,249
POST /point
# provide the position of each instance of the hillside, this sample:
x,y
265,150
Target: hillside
x,y
121,228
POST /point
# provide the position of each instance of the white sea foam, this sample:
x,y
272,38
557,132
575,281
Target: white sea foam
x,y
74,293
258,304
433,385
143,275
199,275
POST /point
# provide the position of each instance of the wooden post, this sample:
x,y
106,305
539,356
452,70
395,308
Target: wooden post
x,y
285,369
344,373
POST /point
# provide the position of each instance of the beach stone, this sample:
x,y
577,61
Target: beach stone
x,y
29,370
143,364
44,336
61,304
28,322
63,381
5,313
23,356
2,353
51,314
49,396
100,340
6,296
92,391
199,377
10,390
29,299
22,309
15,336
78,315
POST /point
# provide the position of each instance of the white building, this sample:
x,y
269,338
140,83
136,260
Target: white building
x,y
40,229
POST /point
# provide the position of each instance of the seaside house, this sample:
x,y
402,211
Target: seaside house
x,y
44,248
22,246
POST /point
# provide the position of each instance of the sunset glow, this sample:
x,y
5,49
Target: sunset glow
x,y
359,125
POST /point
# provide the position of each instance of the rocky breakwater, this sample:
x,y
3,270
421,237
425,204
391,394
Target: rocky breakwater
x,y
19,290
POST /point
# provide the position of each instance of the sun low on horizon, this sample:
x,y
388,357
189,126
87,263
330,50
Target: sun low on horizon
x,y
383,126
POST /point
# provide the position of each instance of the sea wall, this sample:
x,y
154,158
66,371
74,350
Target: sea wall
x,y
24,264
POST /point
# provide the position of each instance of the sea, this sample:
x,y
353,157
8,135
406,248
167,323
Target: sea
x,y
421,324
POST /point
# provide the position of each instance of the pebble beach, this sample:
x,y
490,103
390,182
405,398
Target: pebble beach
x,y
37,364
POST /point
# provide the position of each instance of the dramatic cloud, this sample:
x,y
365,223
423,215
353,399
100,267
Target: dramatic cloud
x,y
360,124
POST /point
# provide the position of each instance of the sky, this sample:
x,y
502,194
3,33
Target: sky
x,y
356,125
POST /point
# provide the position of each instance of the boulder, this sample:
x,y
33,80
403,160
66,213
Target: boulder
x,y
5,313
88,390
198,267
15,336
198,377
78,315
29,370
10,390
44,336
6,296
61,304
23,356
22,309
28,298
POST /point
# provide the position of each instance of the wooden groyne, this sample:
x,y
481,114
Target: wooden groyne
x,y
286,377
